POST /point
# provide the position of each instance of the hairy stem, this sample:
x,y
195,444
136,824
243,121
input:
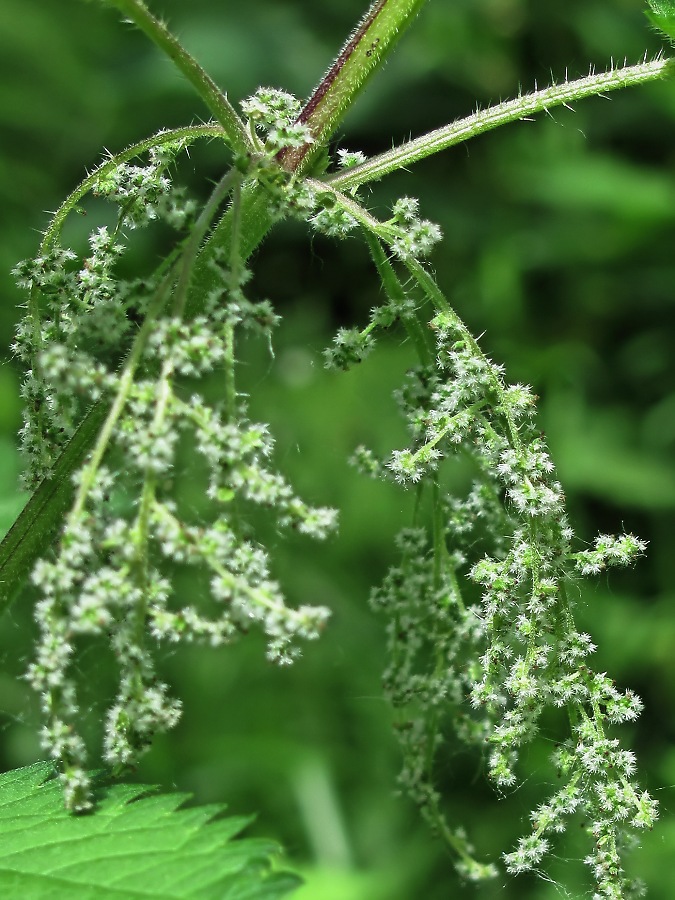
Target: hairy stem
x,y
395,291
363,53
235,275
501,114
229,181
189,133
208,90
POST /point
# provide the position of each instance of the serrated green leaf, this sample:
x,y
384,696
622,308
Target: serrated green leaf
x,y
135,845
663,7
663,16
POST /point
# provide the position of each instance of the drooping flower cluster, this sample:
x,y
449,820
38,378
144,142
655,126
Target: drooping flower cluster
x,y
93,338
128,526
490,655
519,652
431,640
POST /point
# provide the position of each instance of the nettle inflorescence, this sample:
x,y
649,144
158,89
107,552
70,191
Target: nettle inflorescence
x,y
480,612
489,666
93,338
515,652
81,314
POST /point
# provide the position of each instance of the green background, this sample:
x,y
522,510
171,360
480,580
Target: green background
x,y
559,248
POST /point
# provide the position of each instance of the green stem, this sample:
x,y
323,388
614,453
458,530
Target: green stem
x,y
125,384
396,293
255,222
235,276
501,114
141,535
185,266
363,53
208,90
229,181
189,133
235,252
439,534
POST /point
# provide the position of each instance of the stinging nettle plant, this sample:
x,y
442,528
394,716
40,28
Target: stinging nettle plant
x,y
115,400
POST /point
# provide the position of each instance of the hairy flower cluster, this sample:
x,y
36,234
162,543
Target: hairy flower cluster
x,y
81,315
431,637
145,193
276,116
274,127
332,220
510,535
352,345
128,526
275,113
348,159
413,237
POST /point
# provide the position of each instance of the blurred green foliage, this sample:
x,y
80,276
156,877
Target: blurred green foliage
x,y
558,249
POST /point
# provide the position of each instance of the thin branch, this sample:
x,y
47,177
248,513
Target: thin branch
x,y
208,90
188,133
494,116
